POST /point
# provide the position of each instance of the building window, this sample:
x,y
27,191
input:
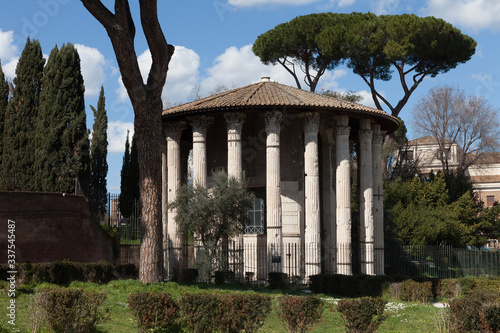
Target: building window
x,y
257,216
490,200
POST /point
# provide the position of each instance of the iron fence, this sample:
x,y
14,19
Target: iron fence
x,y
441,261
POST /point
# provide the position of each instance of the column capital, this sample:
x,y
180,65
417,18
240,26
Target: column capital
x,y
342,130
311,122
365,135
234,121
273,121
174,130
200,124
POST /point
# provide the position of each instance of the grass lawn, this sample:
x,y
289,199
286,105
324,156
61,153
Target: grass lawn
x,y
402,317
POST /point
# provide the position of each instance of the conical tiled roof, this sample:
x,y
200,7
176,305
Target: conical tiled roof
x,y
266,94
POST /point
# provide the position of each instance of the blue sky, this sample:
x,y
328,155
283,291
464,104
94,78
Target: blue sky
x,y
213,40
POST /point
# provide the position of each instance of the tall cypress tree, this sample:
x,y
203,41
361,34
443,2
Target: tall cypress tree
x,y
134,170
62,154
19,124
51,124
4,98
124,181
98,154
75,139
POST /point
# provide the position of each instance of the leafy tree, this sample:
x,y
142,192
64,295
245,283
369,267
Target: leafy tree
x,y
62,153
350,96
147,103
129,185
4,99
370,45
98,154
414,46
19,123
451,117
396,156
214,214
295,43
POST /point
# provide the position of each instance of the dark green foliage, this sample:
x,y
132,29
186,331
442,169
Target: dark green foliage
x,y
362,315
421,212
19,123
299,313
350,285
492,317
73,311
277,280
449,288
350,96
295,41
62,154
466,316
4,98
189,275
62,272
155,311
230,313
412,291
98,154
129,185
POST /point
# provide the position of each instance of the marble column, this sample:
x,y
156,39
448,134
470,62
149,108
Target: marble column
x,y
173,133
365,165
273,191
343,193
378,198
312,196
164,201
329,202
234,122
200,125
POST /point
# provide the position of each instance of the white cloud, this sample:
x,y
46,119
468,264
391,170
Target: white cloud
x,y
239,66
117,135
474,14
9,54
93,64
345,3
181,77
385,7
250,3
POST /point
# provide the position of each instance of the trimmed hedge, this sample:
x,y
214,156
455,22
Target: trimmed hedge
x,y
362,315
71,310
156,311
62,272
299,313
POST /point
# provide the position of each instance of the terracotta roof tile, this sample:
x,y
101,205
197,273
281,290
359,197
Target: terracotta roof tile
x,y
266,94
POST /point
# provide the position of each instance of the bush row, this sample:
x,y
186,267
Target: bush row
x,y
158,311
299,313
362,315
376,286
64,272
479,312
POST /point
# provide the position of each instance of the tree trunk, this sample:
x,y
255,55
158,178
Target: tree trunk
x,y
147,104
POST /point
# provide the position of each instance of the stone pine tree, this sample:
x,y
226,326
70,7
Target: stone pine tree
x,y
4,98
98,162
147,103
62,154
19,125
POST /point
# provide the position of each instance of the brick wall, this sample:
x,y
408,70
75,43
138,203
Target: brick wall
x,y
52,226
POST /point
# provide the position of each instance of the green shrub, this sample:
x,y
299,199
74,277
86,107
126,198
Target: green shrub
x,y
277,280
223,276
243,312
156,311
411,291
362,315
299,313
449,288
466,316
188,275
200,312
73,310
492,317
